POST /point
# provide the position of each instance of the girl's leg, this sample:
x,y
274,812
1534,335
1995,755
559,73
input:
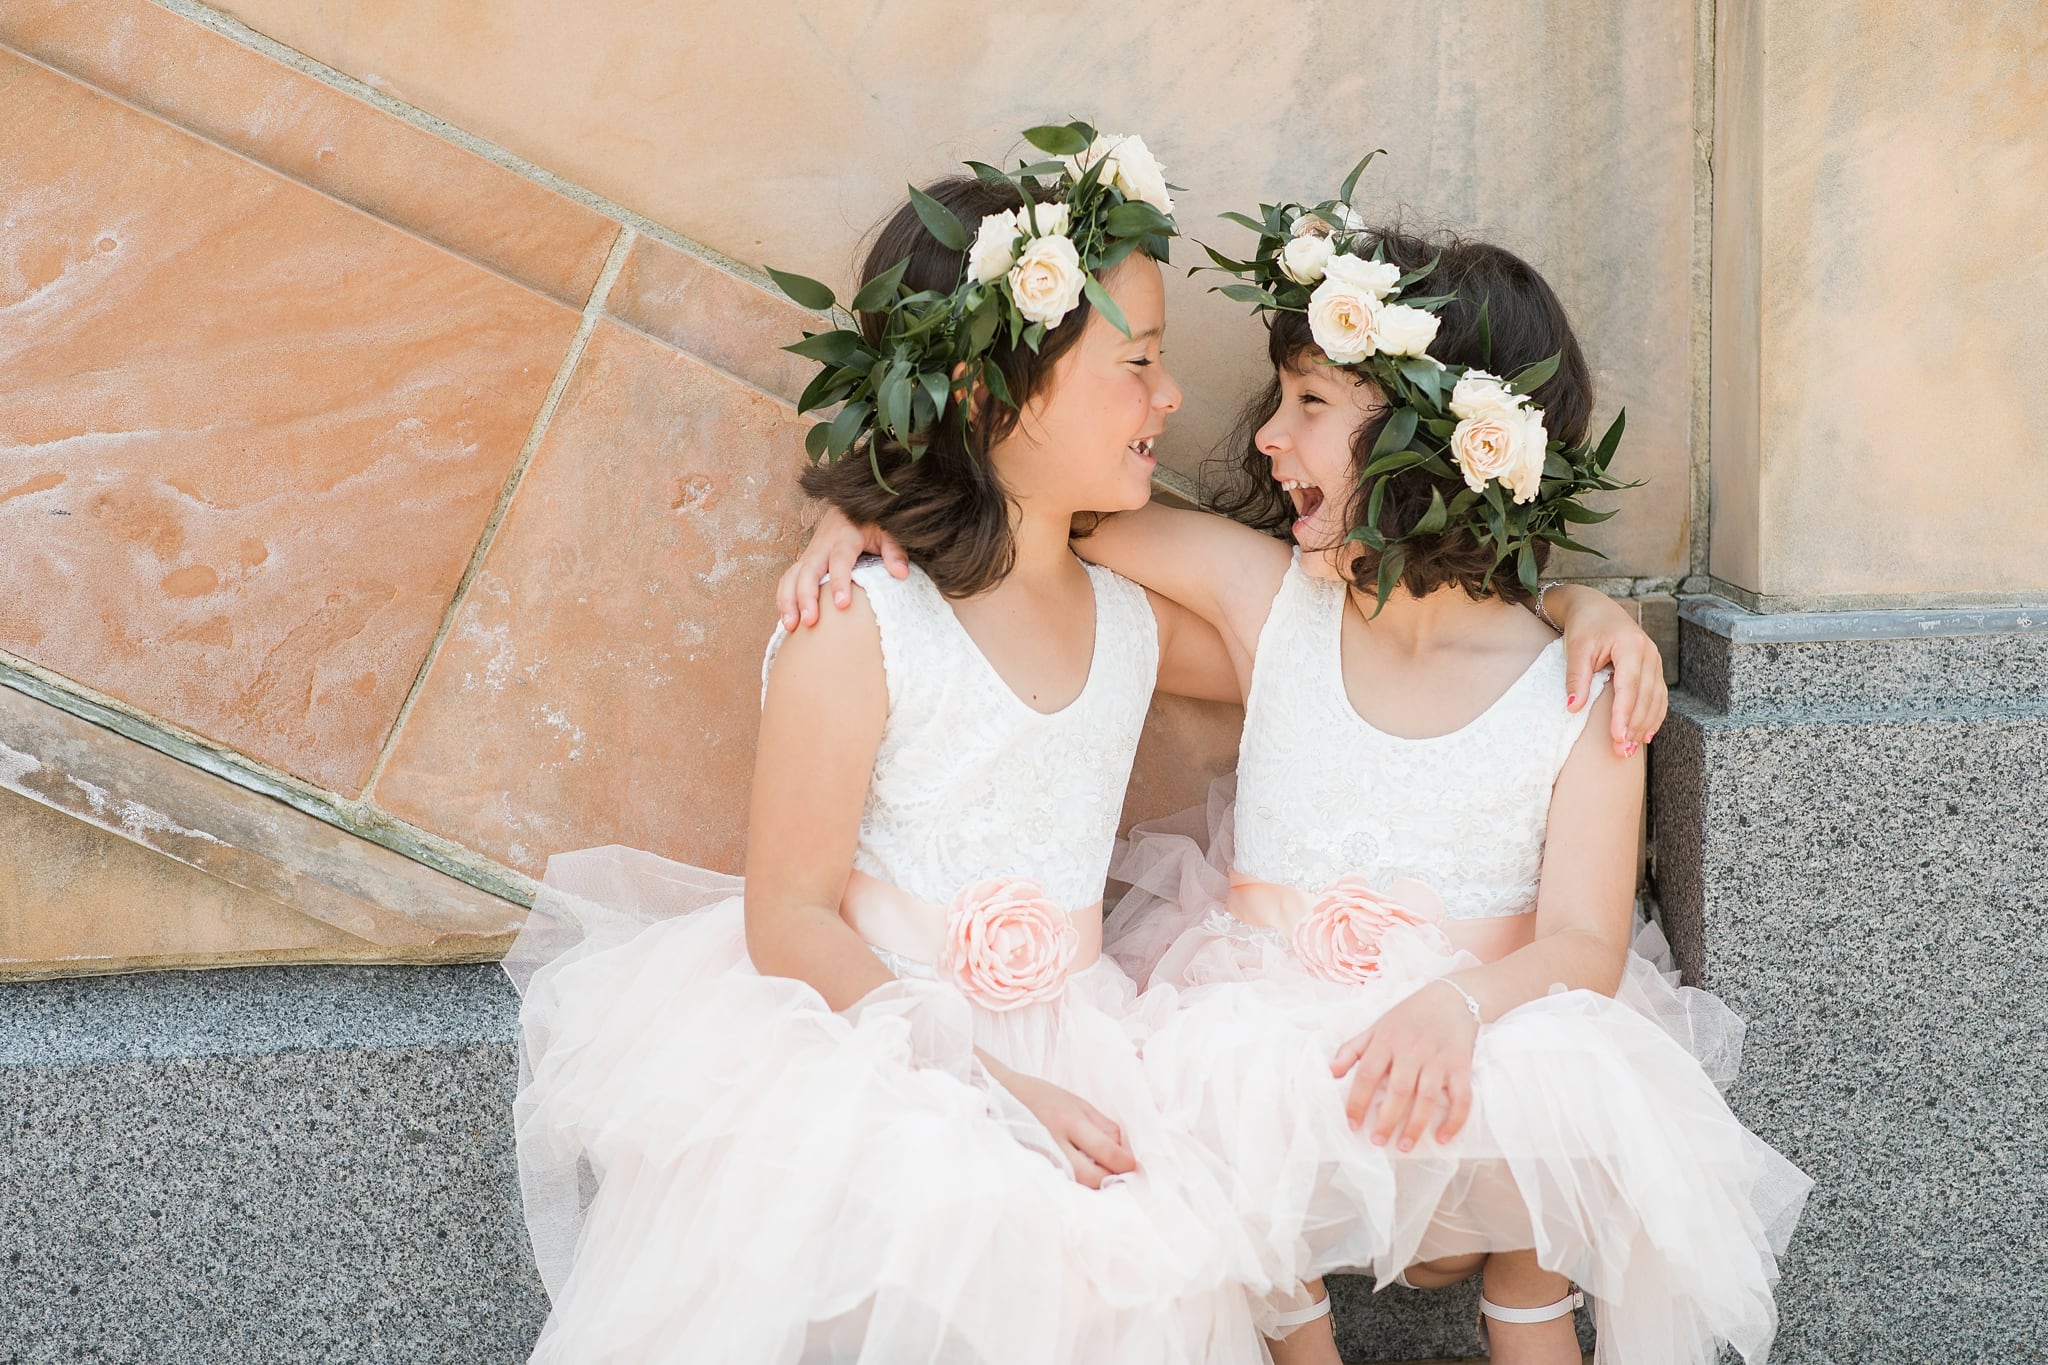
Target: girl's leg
x,y
1513,1280
1313,1342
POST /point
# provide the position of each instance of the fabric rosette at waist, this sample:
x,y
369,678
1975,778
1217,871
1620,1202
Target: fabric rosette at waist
x,y
1352,931
1002,942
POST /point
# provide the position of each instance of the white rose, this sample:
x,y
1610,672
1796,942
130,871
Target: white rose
x,y
1376,278
1053,219
1506,444
1402,330
1479,394
1047,279
1319,225
995,247
1305,258
1342,318
1132,169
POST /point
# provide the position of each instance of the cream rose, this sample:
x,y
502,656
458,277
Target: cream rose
x,y
995,247
1342,319
1047,279
1304,259
1505,444
1402,330
1479,394
1052,219
1007,944
1318,225
1376,278
1344,936
1132,169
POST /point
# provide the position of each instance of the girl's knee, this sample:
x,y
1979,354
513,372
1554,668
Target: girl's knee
x,y
1443,1272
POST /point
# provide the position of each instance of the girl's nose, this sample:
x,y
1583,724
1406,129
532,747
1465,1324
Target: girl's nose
x,y
1167,397
1266,440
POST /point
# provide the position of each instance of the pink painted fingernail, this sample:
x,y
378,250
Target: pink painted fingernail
x,y
1571,701
1407,1144
1629,751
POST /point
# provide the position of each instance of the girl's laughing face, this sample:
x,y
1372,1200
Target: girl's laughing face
x,y
1309,440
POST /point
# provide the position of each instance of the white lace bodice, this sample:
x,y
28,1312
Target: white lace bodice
x,y
970,782
1321,793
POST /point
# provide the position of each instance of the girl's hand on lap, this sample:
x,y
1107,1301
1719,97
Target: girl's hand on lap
x,y
1092,1144
835,544
1417,1061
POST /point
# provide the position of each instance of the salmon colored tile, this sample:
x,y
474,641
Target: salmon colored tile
x,y
732,322
212,85
249,436
602,680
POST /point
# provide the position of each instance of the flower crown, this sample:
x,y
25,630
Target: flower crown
x,y
1521,487
1103,197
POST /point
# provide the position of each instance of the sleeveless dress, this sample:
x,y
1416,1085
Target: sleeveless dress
x,y
719,1168
1598,1135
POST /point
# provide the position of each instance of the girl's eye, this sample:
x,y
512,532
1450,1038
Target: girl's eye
x,y
1141,360
1308,398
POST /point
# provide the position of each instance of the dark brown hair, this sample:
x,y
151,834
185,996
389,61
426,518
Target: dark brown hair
x,y
949,511
1527,323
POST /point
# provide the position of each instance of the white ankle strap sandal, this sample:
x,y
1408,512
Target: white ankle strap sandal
x,y
1319,1309
1570,1303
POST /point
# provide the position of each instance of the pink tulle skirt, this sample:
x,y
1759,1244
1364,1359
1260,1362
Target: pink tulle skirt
x,y
1598,1136
719,1168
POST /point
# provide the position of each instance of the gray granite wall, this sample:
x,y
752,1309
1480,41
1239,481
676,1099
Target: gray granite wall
x,y
1849,848
266,1165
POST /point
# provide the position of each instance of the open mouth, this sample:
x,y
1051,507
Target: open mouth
x,y
1307,498
1142,449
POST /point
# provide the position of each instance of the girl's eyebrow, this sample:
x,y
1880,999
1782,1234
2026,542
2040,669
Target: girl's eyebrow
x,y
1148,333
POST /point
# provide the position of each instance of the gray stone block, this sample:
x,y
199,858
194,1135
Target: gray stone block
x,y
1850,850
266,1164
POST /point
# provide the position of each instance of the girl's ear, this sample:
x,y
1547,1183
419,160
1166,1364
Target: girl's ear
x,y
974,400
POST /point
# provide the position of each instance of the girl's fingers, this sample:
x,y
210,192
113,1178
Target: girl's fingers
x,y
1105,1123
1348,1055
1628,677
896,559
1458,1092
1429,1090
1085,1168
1365,1083
1578,673
809,570
841,569
1653,700
785,598
1101,1149
1399,1100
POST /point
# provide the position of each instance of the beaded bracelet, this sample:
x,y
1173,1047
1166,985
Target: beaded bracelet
x,y
1471,1002
1541,593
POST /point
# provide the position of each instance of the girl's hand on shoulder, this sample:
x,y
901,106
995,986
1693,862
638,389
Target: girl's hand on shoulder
x,y
1417,1061
1599,632
1093,1145
835,544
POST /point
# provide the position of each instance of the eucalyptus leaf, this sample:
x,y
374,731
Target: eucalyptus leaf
x,y
879,292
1057,139
1435,519
1392,563
846,426
939,220
1610,441
802,289
1243,293
1398,432
1104,304
1525,567
1585,516
1393,462
1136,219
832,348
815,439
1351,181
987,174
1254,224
1485,330
997,386
936,387
1033,335
1534,376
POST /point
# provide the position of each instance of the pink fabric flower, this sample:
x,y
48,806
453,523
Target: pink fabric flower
x,y
1343,937
1007,944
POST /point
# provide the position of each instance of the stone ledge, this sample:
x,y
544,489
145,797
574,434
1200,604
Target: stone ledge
x,y
275,1165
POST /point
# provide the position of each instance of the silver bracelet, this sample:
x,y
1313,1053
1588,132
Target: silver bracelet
x,y
1541,593
1471,1001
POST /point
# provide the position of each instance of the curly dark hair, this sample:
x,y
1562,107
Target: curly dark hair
x,y
949,510
1527,323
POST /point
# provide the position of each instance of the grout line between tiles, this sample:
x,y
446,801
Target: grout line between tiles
x,y
593,309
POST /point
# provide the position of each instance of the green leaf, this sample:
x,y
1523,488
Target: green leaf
x,y
1159,246
875,465
1585,516
1243,293
981,326
1254,224
939,220
1391,565
1104,304
879,292
1033,335
802,289
1610,441
832,348
1224,262
1115,255
847,426
1534,376
1420,272
1462,504
895,405
1135,219
1057,139
814,440
1038,169
1398,432
989,175
1485,336
1351,183
936,388
1435,519
1525,567
1368,537
1393,462
820,390
997,386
